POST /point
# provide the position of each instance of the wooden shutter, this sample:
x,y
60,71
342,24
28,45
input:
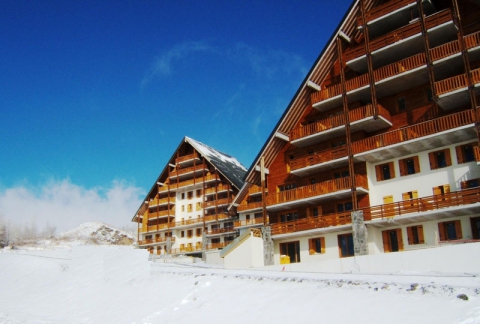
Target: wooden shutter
x,y
441,231
416,164
386,242
400,239
406,196
402,167
437,190
446,188
458,229
387,199
448,158
322,243
433,161
410,235
378,172
391,167
311,247
459,151
421,239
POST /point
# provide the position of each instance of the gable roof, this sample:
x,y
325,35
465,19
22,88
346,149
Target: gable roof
x,y
227,165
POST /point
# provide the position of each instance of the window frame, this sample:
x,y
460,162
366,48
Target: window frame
x,y
415,235
380,172
402,165
461,155
433,159
312,245
349,238
443,232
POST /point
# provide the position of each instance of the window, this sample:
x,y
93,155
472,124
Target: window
x,y
344,206
338,143
410,195
409,166
475,222
189,233
291,216
190,195
401,105
415,235
313,181
465,153
198,232
288,186
182,234
183,195
340,174
183,208
440,159
441,190
385,171
473,183
449,231
314,211
189,208
215,240
345,245
199,192
199,206
292,249
392,240
316,245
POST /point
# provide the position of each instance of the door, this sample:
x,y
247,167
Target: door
x,y
475,227
292,249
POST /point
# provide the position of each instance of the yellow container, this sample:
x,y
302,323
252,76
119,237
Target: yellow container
x,y
284,259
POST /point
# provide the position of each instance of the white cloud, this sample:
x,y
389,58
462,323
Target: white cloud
x,y
66,205
164,63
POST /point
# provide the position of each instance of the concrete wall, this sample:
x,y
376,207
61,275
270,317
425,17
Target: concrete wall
x,y
213,257
459,258
246,255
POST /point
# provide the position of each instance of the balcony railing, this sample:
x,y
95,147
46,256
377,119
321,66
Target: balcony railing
x,y
155,240
452,199
338,120
219,188
399,67
187,249
317,158
162,213
183,171
445,50
399,34
309,223
222,230
187,157
384,9
415,131
153,228
249,206
249,222
163,201
218,202
253,190
313,190
451,84
210,177
213,246
472,40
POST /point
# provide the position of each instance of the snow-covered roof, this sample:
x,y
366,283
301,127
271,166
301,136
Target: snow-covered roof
x,y
229,166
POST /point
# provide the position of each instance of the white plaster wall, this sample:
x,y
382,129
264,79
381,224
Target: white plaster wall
x,y
445,259
424,181
213,257
246,255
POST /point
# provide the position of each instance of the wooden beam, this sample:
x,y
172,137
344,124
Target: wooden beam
x,y
265,170
313,85
282,136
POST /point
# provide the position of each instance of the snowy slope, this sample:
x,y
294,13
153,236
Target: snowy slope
x,y
112,284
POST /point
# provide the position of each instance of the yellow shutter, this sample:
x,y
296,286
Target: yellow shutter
x,y
388,199
391,167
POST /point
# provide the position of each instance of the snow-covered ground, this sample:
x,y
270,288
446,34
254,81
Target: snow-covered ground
x,y
117,284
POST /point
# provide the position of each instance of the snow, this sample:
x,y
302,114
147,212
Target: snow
x,y
117,284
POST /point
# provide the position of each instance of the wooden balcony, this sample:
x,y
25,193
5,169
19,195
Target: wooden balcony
x,y
193,182
216,203
360,118
163,201
453,92
187,158
196,170
427,208
162,213
432,132
314,193
249,206
385,9
444,50
220,245
187,249
219,231
312,223
255,190
155,228
309,164
249,222
472,40
217,189
155,241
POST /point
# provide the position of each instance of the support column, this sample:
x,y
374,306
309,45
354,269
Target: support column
x,y
268,250
360,233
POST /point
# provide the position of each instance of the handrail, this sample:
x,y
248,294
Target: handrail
x,y
415,131
212,190
212,246
317,189
435,202
194,181
309,223
184,158
318,157
248,206
337,120
214,203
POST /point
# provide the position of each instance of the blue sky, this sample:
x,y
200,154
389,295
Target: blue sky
x,y
98,94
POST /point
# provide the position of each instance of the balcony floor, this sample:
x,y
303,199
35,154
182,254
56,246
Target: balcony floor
x,y
406,148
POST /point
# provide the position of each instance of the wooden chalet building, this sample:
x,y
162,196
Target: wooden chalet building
x,y
378,150
185,211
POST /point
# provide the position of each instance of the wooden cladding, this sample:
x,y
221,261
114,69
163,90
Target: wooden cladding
x,y
415,131
317,189
338,120
312,223
435,202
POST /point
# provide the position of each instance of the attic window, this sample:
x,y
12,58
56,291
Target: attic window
x,y
291,157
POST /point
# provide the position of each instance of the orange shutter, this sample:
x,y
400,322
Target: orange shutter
x,y
311,248
448,158
441,231
392,170
460,157
458,230
386,242
421,240
433,160
406,196
401,165
416,164
437,191
409,235
400,239
446,189
322,243
378,171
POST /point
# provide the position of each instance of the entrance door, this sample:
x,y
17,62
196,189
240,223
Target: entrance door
x,y
292,249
